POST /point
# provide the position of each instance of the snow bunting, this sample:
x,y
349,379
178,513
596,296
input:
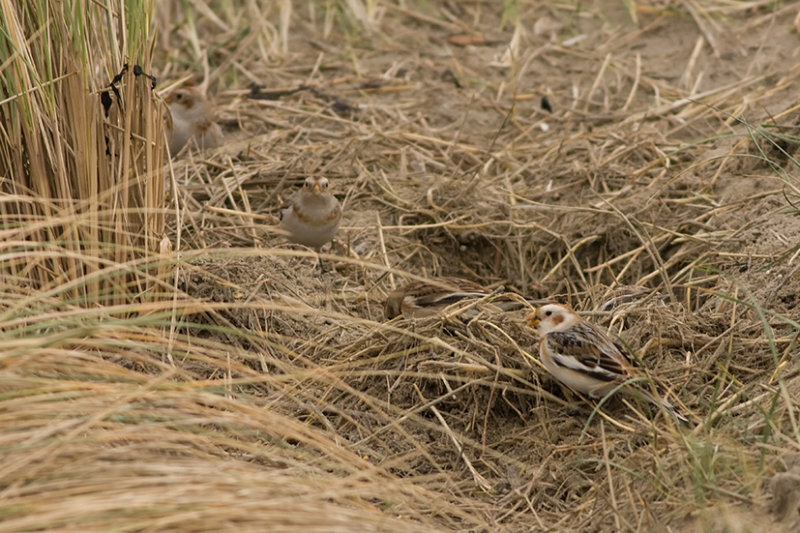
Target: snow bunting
x,y
583,357
418,299
190,116
314,214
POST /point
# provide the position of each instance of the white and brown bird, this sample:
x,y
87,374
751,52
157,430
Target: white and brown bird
x,y
191,116
583,357
314,215
419,299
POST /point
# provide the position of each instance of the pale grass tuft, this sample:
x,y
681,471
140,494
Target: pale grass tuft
x,y
83,191
250,391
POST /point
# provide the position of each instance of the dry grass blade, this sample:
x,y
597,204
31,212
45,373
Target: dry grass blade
x,y
74,150
169,363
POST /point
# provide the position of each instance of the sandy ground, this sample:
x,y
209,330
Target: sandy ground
x,y
562,154
564,151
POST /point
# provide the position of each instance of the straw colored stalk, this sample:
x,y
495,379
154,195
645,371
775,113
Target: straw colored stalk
x,y
82,190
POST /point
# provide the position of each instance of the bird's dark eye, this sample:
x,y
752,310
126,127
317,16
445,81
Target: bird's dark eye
x,y
548,313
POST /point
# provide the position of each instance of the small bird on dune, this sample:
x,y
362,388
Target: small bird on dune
x,y
190,116
419,299
314,215
583,357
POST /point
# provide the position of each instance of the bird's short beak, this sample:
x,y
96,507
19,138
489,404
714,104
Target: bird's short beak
x,y
532,319
316,189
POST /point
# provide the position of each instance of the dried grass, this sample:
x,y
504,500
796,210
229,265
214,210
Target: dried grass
x,y
81,160
259,393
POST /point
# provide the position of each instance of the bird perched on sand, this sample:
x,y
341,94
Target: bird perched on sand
x,y
419,299
583,357
190,116
314,215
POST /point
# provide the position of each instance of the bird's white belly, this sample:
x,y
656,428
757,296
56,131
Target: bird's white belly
x,y
575,380
313,233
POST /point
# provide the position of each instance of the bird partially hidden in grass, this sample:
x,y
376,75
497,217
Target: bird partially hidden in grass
x,y
313,215
190,116
584,358
420,299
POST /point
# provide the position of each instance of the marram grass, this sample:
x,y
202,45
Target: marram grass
x,y
83,185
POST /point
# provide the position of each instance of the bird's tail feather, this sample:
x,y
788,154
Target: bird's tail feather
x,y
658,401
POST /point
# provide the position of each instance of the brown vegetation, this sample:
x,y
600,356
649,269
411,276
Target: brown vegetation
x,y
251,391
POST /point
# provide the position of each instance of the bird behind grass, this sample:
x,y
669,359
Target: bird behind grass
x,y
191,116
419,299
